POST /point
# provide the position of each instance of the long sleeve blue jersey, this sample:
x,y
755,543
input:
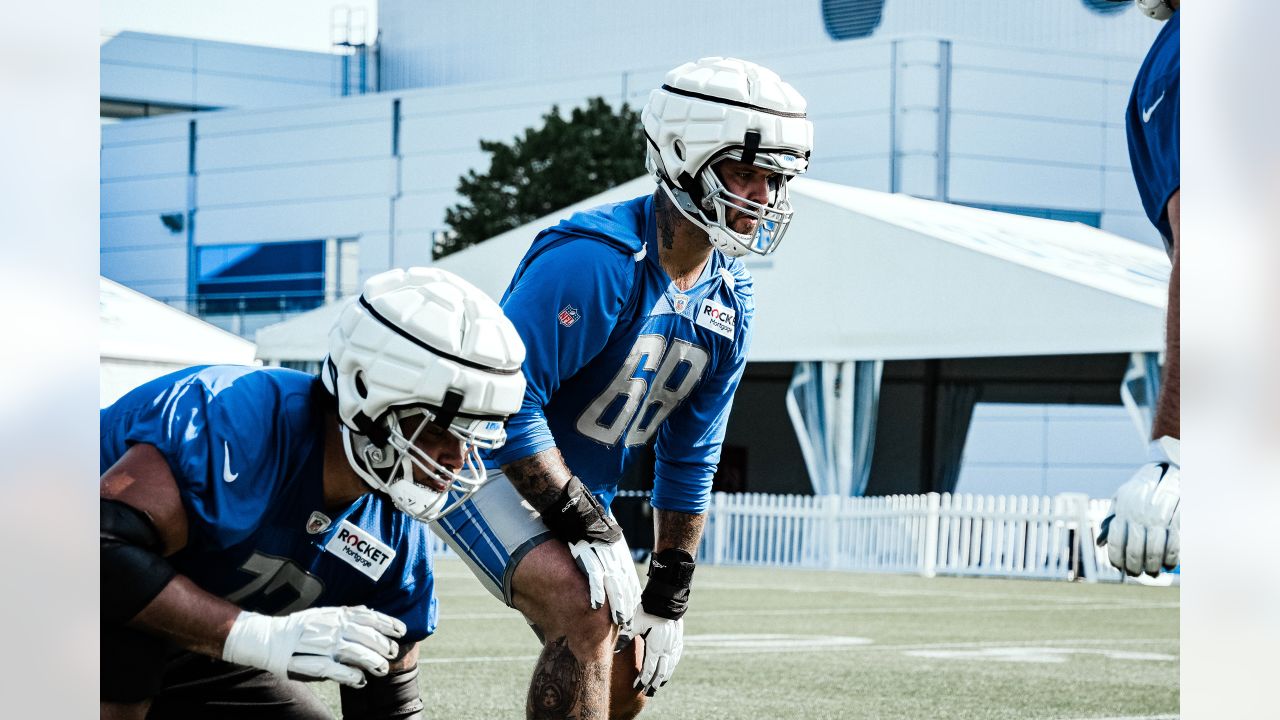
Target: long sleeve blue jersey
x,y
246,450
1151,121
617,356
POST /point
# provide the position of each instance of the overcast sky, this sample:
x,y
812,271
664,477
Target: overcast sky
x,y
299,24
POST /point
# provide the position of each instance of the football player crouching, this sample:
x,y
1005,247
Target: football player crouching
x,y
263,526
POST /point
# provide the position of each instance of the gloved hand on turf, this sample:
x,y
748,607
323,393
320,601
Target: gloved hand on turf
x,y
611,576
663,646
327,643
1142,532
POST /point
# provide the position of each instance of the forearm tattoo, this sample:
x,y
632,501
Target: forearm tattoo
x,y
563,690
678,530
539,477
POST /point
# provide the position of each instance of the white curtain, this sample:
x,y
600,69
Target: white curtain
x,y
833,408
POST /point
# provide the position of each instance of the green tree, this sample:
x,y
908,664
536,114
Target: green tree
x,y
558,164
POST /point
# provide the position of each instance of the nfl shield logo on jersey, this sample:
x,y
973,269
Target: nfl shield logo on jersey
x,y
569,315
680,302
317,523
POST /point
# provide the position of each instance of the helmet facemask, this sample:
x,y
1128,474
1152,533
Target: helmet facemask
x,y
390,465
712,211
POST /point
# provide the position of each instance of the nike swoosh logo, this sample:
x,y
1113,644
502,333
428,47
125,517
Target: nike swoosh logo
x,y
1146,114
227,475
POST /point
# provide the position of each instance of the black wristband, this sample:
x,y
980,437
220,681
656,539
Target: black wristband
x,y
670,577
393,697
577,515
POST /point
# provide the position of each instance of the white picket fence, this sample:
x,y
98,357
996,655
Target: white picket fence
x,y
976,535
1007,536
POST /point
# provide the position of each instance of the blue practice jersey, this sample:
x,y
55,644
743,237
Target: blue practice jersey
x,y
246,448
1152,122
617,357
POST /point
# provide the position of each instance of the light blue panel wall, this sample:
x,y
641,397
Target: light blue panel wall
x,y
168,157
850,136
1024,139
413,248
1048,186
870,172
436,132
294,145
1108,439
1132,225
166,127
223,90
140,67
292,221
1048,449
312,181
1116,156
436,42
147,49
165,86
440,171
297,66
375,254
996,439
918,174
1001,479
1099,481
1122,191
1016,91
130,196
339,111
155,266
140,230
424,210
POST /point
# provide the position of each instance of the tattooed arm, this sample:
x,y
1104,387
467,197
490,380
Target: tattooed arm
x,y
540,477
678,530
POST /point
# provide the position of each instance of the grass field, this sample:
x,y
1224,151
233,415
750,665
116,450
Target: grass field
x,y
771,643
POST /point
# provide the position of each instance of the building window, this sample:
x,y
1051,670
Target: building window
x,y
1107,7
262,277
1092,219
851,19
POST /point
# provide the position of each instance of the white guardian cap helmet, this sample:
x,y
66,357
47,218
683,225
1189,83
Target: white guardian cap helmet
x,y
422,349
1158,9
723,108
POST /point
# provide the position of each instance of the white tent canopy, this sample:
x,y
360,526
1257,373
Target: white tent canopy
x,y
867,275
141,339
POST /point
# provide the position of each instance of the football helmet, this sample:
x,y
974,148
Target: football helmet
x,y
422,350
1158,9
724,108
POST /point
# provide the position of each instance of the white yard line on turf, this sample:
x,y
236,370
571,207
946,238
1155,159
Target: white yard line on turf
x,y
1106,606
701,652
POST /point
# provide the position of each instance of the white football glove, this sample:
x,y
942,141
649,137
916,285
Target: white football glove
x,y
1142,532
663,646
326,643
611,575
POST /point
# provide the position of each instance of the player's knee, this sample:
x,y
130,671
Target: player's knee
x,y
591,633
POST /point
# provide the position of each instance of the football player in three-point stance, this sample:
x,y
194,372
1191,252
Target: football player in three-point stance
x,y
263,525
637,319
1143,534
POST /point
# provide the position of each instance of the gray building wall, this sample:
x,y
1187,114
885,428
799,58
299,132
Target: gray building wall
x,y
957,121
427,43
144,68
